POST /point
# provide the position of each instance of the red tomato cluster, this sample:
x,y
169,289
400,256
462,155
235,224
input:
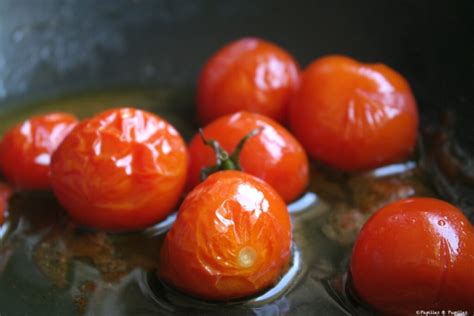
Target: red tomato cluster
x,y
348,115
127,169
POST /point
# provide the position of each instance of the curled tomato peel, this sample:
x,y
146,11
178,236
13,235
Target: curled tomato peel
x,y
272,154
415,254
231,238
26,149
354,116
249,74
122,169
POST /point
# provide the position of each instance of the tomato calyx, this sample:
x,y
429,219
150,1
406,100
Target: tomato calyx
x,y
224,161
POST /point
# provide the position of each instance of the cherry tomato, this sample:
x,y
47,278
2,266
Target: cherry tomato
x,y
415,254
354,116
122,169
25,150
231,238
247,75
272,155
5,193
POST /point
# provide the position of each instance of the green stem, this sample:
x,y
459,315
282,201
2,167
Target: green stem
x,y
224,161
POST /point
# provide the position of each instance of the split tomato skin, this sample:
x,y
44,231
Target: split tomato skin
x,y
5,193
123,169
354,116
273,154
26,149
415,254
249,74
231,239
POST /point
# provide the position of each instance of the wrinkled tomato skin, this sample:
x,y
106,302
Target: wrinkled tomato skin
x,y
415,254
231,239
123,169
249,74
272,155
5,193
353,116
26,149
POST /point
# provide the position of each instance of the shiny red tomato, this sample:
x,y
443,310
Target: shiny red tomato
x,y
122,169
415,254
5,193
354,116
272,155
25,150
231,238
247,75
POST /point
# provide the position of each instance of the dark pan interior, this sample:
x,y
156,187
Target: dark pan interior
x,y
49,47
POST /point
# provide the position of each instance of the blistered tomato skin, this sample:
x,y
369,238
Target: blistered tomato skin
x,y
122,169
247,75
354,116
272,155
5,193
26,149
415,254
231,239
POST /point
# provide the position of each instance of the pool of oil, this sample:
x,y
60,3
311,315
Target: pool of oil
x,y
49,266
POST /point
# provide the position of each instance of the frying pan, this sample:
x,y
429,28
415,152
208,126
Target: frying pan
x,y
51,48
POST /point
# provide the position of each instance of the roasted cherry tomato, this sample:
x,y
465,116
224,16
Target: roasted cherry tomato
x,y
231,238
415,254
25,150
247,75
122,169
272,154
354,116
5,193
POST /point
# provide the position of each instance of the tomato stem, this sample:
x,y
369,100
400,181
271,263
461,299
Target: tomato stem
x,y
224,161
